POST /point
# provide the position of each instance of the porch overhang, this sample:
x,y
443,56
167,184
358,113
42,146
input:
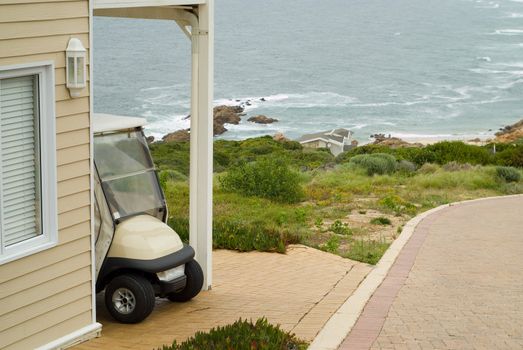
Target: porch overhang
x,y
196,19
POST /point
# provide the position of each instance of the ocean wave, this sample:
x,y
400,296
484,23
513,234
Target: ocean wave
x,y
156,88
496,99
511,64
160,125
418,136
509,32
305,100
490,5
485,59
486,71
171,99
514,15
456,136
390,103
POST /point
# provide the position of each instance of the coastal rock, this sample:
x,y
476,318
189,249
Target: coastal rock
x,y
178,135
226,115
262,119
221,115
280,137
510,133
228,109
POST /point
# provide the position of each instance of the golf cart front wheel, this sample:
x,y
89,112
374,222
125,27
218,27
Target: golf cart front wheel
x,y
129,298
194,283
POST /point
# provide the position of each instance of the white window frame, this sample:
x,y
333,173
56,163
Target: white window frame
x,y
49,198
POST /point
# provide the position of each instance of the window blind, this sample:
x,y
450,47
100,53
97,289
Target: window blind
x,y
20,159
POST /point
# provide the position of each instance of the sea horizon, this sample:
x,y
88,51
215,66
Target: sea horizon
x,y
415,70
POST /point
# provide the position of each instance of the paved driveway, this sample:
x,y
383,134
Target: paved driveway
x,y
457,284
299,290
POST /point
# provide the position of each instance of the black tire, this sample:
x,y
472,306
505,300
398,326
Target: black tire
x,y
127,290
194,274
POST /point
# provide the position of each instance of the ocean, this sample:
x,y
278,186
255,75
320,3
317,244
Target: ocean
x,y
410,68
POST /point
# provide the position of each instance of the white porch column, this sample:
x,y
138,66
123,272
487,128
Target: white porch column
x,y
201,173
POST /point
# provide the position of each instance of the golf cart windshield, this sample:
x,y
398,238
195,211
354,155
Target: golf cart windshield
x,y
127,175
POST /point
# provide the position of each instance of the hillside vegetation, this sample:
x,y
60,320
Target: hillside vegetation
x,y
268,194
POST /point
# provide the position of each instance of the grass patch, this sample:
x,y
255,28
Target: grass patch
x,y
369,252
274,194
241,335
340,228
381,221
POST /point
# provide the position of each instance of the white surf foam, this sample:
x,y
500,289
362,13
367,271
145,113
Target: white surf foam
x,y
490,5
484,59
486,71
514,15
158,126
306,100
509,32
511,64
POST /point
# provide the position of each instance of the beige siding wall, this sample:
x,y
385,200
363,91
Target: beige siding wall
x,y
315,144
47,295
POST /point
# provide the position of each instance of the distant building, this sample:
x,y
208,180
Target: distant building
x,y
336,140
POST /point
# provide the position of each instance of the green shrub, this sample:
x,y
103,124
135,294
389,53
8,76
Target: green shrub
x,y
291,145
455,166
170,175
340,228
508,174
378,163
266,178
417,155
381,221
310,158
241,335
345,157
369,252
443,153
428,168
406,167
180,225
236,234
247,236
457,151
332,245
512,156
172,155
301,215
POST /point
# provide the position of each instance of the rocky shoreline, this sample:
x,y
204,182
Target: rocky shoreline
x,y
233,114
222,115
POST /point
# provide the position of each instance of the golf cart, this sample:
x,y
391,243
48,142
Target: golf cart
x,y
138,256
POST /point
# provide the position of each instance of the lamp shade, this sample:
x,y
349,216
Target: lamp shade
x,y
75,67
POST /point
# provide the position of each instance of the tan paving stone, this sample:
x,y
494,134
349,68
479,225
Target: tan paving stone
x,y
299,290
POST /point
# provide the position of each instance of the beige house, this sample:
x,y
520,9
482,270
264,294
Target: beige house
x,y
336,140
46,257
47,289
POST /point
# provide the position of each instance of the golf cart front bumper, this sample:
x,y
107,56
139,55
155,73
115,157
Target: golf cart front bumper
x,y
153,266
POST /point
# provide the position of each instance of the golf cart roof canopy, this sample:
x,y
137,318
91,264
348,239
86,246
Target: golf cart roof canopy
x,y
109,122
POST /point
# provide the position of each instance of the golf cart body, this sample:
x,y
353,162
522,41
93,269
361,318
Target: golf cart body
x,y
138,256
